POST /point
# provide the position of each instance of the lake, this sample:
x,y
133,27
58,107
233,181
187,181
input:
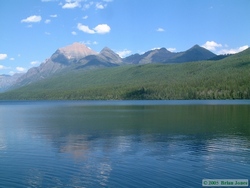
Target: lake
x,y
123,143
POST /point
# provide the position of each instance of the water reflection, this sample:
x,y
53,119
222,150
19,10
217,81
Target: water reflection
x,y
123,146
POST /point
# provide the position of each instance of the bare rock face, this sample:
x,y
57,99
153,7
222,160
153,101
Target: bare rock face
x,y
75,52
6,81
63,57
110,56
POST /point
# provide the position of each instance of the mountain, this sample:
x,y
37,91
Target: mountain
x,y
71,54
152,56
60,59
78,56
227,78
73,57
110,56
196,53
6,81
106,58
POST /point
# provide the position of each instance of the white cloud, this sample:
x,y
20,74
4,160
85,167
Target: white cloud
x,y
53,16
211,45
47,33
47,21
32,19
85,28
73,33
3,56
157,48
20,69
99,29
171,49
71,5
85,17
233,51
88,5
102,29
124,53
12,58
34,62
2,67
11,73
100,6
160,29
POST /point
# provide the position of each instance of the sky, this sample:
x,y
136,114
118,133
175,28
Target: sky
x,y
32,30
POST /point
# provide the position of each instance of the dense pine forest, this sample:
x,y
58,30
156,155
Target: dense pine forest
x,y
228,78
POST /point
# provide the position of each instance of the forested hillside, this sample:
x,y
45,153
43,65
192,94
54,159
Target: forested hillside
x,y
228,78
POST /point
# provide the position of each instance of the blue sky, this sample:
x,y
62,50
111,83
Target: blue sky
x,y
32,31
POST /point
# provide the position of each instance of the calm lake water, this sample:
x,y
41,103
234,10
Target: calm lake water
x,y
123,143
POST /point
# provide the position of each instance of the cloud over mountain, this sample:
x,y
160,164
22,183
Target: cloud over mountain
x,y
124,53
234,50
222,49
211,45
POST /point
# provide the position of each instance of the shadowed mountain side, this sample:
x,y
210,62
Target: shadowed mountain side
x,y
196,53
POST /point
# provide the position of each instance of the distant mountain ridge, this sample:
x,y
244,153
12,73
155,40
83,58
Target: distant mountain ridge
x,y
78,56
196,53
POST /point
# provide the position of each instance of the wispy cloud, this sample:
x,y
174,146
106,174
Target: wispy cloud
x,y
47,21
100,5
53,16
222,49
89,42
234,50
85,17
99,29
124,53
35,62
88,5
160,29
2,67
73,33
71,4
3,56
21,69
32,19
171,49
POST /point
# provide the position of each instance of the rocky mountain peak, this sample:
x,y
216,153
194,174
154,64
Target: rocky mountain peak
x,y
110,55
107,50
76,51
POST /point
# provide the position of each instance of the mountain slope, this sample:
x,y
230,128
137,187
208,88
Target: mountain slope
x,y
223,79
6,81
61,58
196,53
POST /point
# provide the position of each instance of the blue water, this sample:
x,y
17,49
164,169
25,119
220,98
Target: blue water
x,y
123,143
